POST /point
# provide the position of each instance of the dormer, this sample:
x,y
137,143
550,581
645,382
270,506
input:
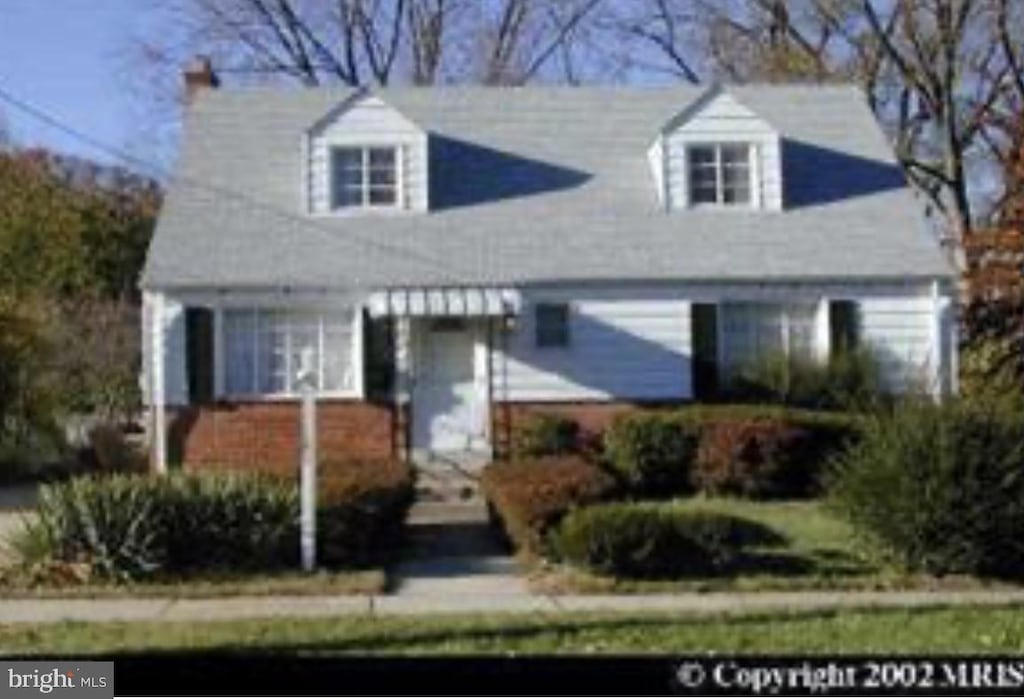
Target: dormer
x,y
718,155
364,157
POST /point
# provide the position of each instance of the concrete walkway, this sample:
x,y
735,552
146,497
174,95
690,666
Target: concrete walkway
x,y
454,553
53,610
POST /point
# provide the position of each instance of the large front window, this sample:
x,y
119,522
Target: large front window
x,y
263,351
364,177
755,331
720,174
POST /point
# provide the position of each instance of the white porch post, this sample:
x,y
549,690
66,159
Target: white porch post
x,y
823,331
307,377
158,385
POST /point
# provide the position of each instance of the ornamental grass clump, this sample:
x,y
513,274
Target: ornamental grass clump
x,y
939,488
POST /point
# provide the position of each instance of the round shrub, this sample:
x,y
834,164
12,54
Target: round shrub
x,y
940,489
545,434
634,540
754,458
362,509
530,497
651,453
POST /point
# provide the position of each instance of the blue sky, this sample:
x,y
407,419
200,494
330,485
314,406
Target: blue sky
x,y
70,63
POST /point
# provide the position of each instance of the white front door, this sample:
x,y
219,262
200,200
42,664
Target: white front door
x,y
448,408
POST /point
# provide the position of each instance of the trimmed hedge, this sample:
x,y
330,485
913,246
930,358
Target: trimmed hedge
x,y
641,540
544,435
940,489
132,527
362,509
753,459
532,496
651,453
755,451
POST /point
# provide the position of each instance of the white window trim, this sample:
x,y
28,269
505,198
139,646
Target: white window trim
x,y
356,392
366,206
753,164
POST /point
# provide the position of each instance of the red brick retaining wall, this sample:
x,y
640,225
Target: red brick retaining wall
x,y
265,435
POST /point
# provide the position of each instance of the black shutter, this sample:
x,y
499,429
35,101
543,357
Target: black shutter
x,y
199,354
705,350
844,326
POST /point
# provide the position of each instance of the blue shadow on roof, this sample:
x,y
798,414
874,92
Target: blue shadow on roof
x,y
464,174
814,175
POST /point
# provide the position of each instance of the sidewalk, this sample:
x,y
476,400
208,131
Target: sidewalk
x,y
54,610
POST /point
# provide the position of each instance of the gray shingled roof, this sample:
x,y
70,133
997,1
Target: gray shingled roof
x,y
533,185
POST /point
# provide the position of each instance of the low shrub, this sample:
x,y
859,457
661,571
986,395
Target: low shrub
x,y
651,453
363,504
754,459
940,489
638,540
752,450
133,527
532,496
545,434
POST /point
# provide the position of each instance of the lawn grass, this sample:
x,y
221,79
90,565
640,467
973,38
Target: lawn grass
x,y
814,550
356,582
938,630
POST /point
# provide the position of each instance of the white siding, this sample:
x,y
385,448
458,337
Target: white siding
x,y
724,120
900,331
634,342
624,344
656,160
370,121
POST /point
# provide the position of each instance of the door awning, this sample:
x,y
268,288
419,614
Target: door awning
x,y
445,301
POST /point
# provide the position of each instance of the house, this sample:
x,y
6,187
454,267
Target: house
x,y
451,260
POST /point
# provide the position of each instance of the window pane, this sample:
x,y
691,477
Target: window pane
x,y
736,174
383,158
347,165
735,155
337,352
802,322
382,196
382,177
273,352
704,194
348,196
552,321
750,332
702,155
239,348
703,175
303,336
738,194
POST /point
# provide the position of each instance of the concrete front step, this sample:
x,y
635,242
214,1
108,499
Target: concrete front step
x,y
426,512
445,485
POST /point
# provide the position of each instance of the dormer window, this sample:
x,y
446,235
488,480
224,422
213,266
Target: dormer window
x,y
720,174
717,154
364,177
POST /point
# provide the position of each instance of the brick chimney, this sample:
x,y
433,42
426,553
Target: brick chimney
x,y
199,76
